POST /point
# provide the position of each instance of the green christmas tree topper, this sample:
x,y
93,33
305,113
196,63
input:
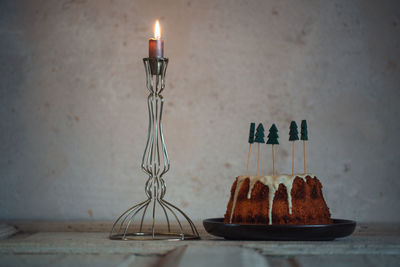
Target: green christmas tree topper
x,y
304,132
293,133
251,134
260,134
273,135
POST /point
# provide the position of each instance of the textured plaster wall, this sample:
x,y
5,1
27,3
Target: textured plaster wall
x,y
74,116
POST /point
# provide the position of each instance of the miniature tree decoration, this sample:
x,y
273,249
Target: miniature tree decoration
x,y
273,140
304,137
293,136
251,141
259,139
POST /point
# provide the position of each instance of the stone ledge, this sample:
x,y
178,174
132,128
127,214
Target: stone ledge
x,y
34,226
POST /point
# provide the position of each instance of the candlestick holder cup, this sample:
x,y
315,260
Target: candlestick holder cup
x,y
139,221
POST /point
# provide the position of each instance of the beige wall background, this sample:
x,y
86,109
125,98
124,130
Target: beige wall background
x,y
74,115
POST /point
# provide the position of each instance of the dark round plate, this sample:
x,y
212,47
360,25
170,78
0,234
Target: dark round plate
x,y
339,228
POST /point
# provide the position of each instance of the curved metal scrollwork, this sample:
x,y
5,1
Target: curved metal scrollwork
x,y
155,163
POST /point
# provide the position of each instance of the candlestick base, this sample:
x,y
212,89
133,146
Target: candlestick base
x,y
155,163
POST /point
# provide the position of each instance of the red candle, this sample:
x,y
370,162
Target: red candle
x,y
156,45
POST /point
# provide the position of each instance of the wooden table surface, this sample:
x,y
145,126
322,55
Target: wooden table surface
x,y
87,244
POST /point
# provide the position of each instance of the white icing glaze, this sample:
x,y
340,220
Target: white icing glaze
x,y
273,183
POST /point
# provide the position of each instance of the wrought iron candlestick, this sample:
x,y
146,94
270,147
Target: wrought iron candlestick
x,y
155,163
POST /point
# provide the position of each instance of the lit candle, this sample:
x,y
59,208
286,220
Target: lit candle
x,y
156,45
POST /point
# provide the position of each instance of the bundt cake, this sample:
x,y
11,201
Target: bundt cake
x,y
295,199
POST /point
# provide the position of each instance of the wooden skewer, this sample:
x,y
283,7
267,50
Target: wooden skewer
x,y
248,161
273,160
293,159
258,160
304,146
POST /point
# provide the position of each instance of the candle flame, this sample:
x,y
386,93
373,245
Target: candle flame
x,y
157,31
